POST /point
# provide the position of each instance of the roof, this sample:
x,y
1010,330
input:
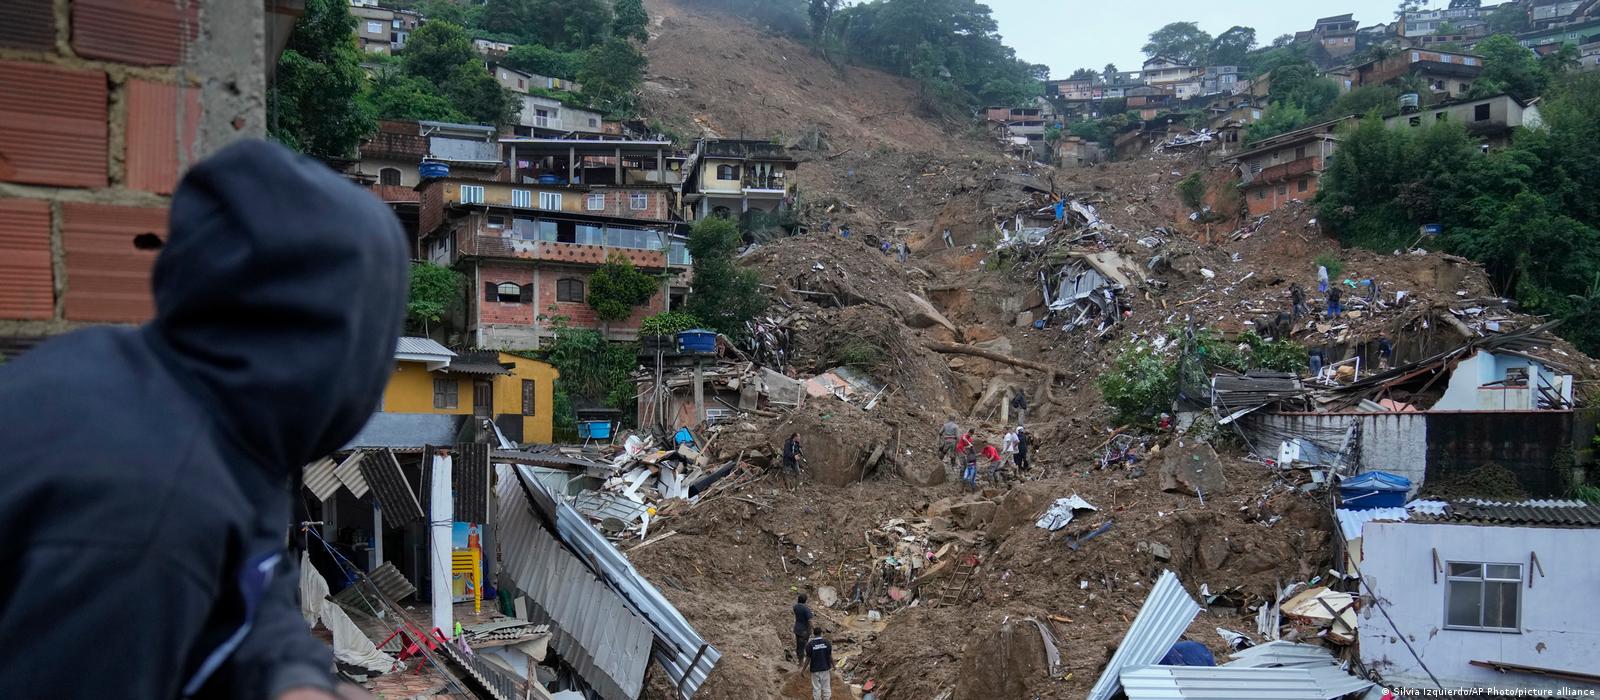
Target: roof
x,y
1315,131
1376,480
1535,512
1322,682
449,126
534,145
479,368
1346,17
400,430
1166,613
408,345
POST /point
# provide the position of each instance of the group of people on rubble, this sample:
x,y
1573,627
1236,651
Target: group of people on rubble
x,y
960,452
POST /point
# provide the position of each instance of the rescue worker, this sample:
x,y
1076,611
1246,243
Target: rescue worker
x,y
802,628
819,654
947,442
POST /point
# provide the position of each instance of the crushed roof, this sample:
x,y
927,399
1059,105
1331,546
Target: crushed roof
x,y
1535,512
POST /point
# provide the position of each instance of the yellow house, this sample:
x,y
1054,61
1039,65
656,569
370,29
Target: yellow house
x,y
516,392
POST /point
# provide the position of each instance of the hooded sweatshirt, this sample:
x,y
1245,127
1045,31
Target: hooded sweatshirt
x,y
149,471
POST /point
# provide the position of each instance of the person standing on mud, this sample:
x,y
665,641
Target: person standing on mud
x,y
968,449
820,655
802,628
791,455
1297,302
947,441
1024,441
991,456
1019,406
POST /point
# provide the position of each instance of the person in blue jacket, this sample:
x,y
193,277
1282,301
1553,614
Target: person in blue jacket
x,y
149,472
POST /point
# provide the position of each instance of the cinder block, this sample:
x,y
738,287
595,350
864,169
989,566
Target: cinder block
x,y
27,285
28,24
141,32
153,135
108,273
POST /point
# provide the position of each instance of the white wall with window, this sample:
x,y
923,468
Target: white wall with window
x,y
1461,593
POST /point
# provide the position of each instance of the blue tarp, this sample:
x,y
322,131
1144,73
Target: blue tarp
x,y
1374,490
1188,653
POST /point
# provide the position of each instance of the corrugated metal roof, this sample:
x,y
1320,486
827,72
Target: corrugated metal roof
x,y
470,472
595,630
1281,653
606,504
318,476
410,345
685,656
1239,683
390,487
27,289
1166,613
1536,512
349,474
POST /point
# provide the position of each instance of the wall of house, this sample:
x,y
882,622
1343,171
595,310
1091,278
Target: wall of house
x,y
708,176
1466,391
1263,199
102,110
410,390
574,200
1398,566
536,428
517,326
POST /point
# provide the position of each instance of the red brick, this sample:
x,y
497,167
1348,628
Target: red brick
x,y
141,32
28,24
153,134
27,287
55,125
108,279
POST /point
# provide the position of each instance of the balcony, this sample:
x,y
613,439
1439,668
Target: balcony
x,y
764,185
1283,172
556,251
543,122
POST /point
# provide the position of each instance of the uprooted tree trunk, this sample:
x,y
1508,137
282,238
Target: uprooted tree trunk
x,y
1042,398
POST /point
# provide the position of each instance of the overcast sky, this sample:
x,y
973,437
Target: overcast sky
x,y
1071,34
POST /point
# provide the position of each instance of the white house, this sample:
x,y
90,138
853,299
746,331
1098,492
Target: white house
x,y
1489,381
1486,594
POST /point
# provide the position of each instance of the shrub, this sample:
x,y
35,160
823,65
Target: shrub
x,y
1332,262
1140,385
668,323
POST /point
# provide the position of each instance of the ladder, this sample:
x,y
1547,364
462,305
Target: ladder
x,y
960,581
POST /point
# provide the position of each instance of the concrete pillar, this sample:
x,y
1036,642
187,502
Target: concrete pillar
x,y
515,178
572,164
228,58
699,392
618,166
441,519
661,167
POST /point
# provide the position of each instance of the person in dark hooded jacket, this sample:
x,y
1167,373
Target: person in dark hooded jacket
x,y
149,472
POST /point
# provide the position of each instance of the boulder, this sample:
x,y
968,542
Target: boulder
x,y
920,313
1192,468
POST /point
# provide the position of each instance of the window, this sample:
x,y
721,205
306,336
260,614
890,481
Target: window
x,y
1471,61
472,194
569,289
727,172
396,24
1283,190
1441,116
550,200
528,394
444,393
1480,113
1261,194
1299,152
1415,56
522,84
495,221
389,176
595,202
594,122
1415,121
1304,185
638,201
373,27
508,292
1483,596
522,198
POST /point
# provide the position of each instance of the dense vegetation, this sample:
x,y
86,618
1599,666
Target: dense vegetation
x,y
725,296
1143,382
1528,212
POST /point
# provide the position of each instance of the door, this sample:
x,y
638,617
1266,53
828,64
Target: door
x,y
482,398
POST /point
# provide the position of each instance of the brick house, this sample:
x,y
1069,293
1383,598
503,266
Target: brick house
x,y
1286,167
1444,73
105,104
529,238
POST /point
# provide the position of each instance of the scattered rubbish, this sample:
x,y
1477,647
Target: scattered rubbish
x,y
1062,512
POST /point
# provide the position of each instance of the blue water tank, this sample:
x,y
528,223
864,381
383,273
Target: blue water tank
x,y
548,179
697,340
432,169
1369,490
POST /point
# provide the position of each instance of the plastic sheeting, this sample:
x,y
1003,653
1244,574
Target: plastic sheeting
x,y
1062,512
350,645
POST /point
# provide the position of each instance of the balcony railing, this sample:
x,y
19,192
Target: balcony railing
x,y
547,122
1287,171
759,182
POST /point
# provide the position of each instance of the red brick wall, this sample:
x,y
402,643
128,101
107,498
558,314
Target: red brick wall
x,y
578,314
494,312
1263,199
95,112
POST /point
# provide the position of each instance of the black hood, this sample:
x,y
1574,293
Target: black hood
x,y
280,293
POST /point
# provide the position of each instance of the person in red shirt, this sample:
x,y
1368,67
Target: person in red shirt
x,y
991,455
969,460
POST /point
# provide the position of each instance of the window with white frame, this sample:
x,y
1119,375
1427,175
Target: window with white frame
x,y
595,202
373,27
550,200
1484,597
521,198
638,201
472,194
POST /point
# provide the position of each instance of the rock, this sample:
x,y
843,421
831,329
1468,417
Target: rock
x,y
919,313
1034,299
1002,664
1192,469
1156,549
1019,506
1025,319
973,515
923,471
1001,345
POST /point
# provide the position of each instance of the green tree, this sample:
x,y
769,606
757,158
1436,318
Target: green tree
x,y
542,60
1508,18
1083,74
1409,6
1302,86
612,72
512,17
820,13
1366,98
476,93
631,20
1279,118
436,50
724,296
583,22
1184,42
951,47
1192,191
313,105
1140,385
392,94
435,291
454,12
1109,72
592,369
1507,67
668,323
1232,47
616,287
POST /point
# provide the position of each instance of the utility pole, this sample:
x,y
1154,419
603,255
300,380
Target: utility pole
x,y
699,391
441,519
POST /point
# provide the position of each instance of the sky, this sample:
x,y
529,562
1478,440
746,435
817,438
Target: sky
x,y
1071,34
